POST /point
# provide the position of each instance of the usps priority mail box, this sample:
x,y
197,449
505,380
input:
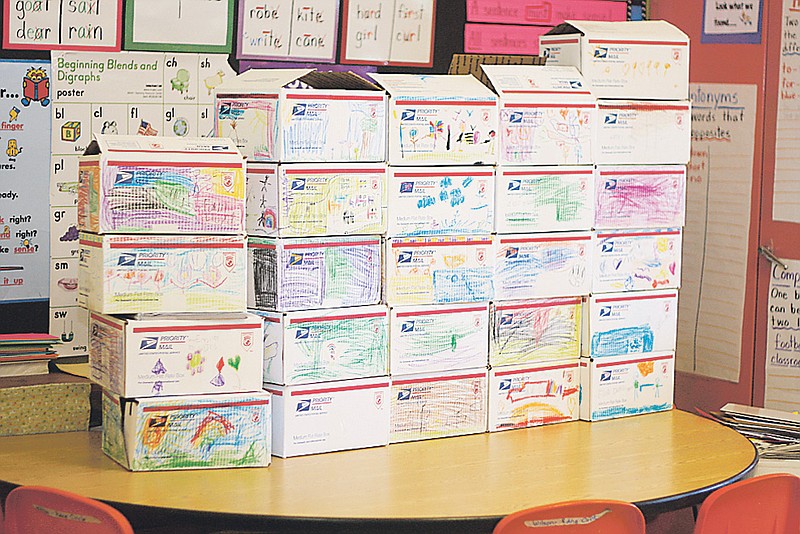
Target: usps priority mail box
x,y
437,405
312,273
188,431
632,260
145,273
188,354
630,323
440,119
640,59
316,418
627,385
543,265
547,115
532,395
438,338
441,201
648,132
272,342
544,199
536,330
647,196
439,270
145,184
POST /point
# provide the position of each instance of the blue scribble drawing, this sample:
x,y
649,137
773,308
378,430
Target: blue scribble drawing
x,y
620,341
533,270
462,285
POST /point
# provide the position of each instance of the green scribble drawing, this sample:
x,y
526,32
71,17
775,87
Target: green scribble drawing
x,y
235,361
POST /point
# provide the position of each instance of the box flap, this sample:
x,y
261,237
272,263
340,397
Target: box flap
x,y
337,80
471,64
531,83
434,86
146,148
643,31
261,81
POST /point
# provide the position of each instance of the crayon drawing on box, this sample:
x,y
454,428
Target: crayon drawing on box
x,y
643,197
634,260
251,123
548,134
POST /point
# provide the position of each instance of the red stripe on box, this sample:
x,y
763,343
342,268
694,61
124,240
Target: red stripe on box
x,y
335,171
328,245
248,96
642,297
536,369
207,406
312,96
216,165
434,103
627,362
545,239
435,379
635,173
633,234
336,318
637,42
194,328
544,92
441,244
562,105
427,174
544,173
176,245
565,302
261,245
440,312
105,321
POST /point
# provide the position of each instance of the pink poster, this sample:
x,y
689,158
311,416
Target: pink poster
x,y
502,39
545,12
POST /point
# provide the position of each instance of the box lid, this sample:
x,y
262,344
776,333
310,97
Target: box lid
x,y
153,150
639,32
433,87
539,83
261,81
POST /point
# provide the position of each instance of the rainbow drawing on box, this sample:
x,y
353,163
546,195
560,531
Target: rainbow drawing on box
x,y
644,197
546,135
533,397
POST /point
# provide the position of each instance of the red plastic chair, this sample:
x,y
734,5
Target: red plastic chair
x,y
42,510
769,504
579,517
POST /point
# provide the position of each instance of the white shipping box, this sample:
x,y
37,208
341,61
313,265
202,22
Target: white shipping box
x,y
640,196
315,199
441,201
310,419
162,273
146,184
630,260
544,199
547,115
643,132
428,339
299,115
641,59
440,119
630,323
542,265
439,270
176,355
188,432
529,331
312,273
326,345
438,405
626,385
531,395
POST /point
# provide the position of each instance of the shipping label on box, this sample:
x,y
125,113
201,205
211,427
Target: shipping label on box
x,y
547,115
643,132
440,119
544,199
426,339
634,260
640,197
620,386
311,419
162,273
439,270
144,184
174,355
543,265
188,432
524,396
630,323
528,331
438,405
441,201
313,273
261,217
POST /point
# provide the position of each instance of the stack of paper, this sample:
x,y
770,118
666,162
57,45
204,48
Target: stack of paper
x,y
776,434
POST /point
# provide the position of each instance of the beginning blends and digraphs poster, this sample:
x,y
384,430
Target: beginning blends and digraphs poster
x,y
128,93
782,383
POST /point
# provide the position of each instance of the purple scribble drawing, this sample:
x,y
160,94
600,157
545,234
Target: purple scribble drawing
x,y
640,197
70,235
158,368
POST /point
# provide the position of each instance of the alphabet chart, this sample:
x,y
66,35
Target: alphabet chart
x,y
179,25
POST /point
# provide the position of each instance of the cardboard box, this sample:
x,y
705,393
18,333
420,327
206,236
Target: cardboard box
x,y
626,385
438,405
429,339
326,345
547,115
176,355
351,414
530,331
630,260
316,199
521,396
642,59
440,119
640,196
188,432
162,273
313,273
145,184
544,199
630,323
299,115
646,132
439,270
441,201
542,265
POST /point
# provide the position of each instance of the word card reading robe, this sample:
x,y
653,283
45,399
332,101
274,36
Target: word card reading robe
x,y
386,32
288,29
179,25
62,25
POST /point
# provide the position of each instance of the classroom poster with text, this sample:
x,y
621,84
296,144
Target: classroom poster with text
x,y
782,384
